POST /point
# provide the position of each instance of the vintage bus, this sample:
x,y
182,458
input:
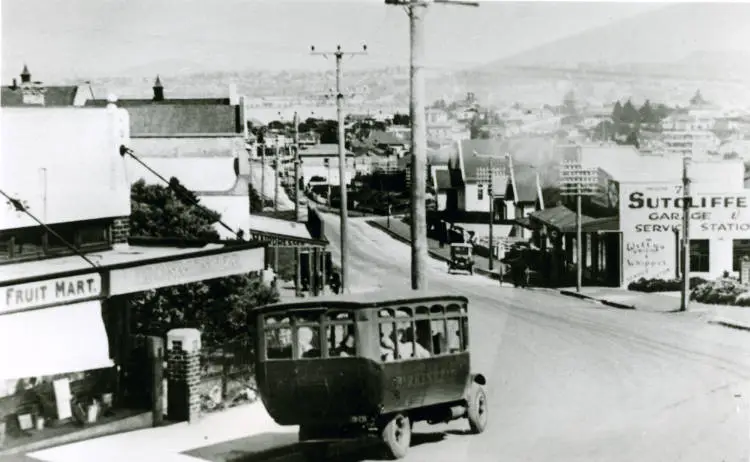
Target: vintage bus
x,y
369,364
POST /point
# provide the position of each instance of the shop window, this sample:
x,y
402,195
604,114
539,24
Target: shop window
x,y
6,246
55,244
699,255
740,249
93,235
28,243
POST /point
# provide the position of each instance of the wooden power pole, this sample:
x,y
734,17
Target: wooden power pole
x,y
419,252
343,208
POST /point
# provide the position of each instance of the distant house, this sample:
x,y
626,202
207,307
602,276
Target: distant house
x,y
30,93
388,142
322,161
517,185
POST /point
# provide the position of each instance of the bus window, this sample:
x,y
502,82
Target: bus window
x,y
341,340
453,333
424,337
439,342
308,342
404,339
385,313
465,333
275,319
387,341
339,316
422,311
453,309
436,310
279,342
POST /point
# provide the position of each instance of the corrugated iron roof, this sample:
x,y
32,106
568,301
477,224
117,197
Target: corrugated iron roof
x,y
323,149
559,217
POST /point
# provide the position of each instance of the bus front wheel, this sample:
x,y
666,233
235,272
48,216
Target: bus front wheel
x,y
396,435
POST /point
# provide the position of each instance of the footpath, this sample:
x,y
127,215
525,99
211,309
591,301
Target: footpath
x,y
402,232
729,316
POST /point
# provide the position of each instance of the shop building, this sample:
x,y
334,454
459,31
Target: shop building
x,y
631,229
64,326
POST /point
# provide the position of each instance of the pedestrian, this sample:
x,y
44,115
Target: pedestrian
x,y
335,282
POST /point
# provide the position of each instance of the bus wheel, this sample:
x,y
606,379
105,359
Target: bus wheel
x,y
477,410
397,436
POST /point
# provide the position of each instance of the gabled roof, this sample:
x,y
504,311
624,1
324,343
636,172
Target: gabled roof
x,y
54,96
377,137
525,178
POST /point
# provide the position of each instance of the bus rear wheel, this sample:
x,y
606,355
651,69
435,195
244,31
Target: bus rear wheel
x,y
396,435
477,411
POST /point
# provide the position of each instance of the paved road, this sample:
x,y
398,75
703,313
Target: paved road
x,y
573,381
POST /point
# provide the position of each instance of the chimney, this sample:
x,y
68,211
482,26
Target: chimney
x,y
15,85
234,99
158,90
25,75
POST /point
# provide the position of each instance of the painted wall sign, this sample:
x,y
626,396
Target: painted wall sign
x,y
651,224
50,292
185,270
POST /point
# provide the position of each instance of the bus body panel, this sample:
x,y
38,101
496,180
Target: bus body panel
x,y
320,391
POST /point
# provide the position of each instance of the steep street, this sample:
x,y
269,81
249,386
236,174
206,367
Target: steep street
x,y
571,380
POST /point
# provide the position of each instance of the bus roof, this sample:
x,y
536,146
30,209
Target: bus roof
x,y
365,300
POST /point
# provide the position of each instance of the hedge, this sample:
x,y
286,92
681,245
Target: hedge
x,y
663,285
723,291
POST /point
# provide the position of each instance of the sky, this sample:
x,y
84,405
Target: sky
x,y
86,39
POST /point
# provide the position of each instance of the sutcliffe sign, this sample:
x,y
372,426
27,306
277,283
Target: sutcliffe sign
x,y
651,224
50,292
714,215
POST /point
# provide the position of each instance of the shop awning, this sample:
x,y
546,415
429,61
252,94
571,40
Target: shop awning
x,y
48,341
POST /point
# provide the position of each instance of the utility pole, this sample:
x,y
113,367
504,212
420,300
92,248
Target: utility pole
x,y
488,177
419,252
578,181
277,177
263,176
685,293
297,259
339,54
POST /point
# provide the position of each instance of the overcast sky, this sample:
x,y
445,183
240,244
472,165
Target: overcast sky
x,y
64,39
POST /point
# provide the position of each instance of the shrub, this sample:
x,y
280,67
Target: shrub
x,y
662,285
723,291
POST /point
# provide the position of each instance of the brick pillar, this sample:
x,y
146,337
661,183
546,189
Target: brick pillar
x,y
120,230
183,374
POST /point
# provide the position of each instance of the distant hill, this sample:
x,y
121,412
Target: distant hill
x,y
658,39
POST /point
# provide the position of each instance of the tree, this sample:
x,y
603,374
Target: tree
x,y
697,99
401,119
218,307
632,140
630,114
647,114
617,112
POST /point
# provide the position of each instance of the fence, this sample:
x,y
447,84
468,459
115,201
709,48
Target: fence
x,y
228,374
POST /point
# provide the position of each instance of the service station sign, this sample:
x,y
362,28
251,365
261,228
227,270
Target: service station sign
x,y
651,221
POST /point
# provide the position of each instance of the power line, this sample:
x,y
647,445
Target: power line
x,y
343,208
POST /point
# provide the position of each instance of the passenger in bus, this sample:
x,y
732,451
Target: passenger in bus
x,y
387,346
408,348
305,337
346,347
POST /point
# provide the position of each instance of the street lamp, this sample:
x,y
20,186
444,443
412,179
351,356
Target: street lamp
x,y
578,181
488,176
